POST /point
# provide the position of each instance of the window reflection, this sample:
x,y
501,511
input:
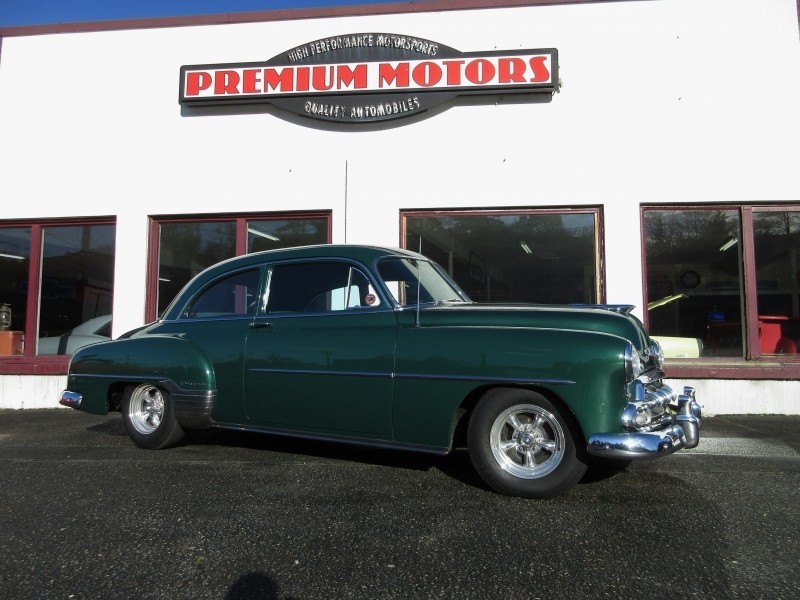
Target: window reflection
x,y
185,249
76,287
777,250
694,281
513,257
232,296
285,233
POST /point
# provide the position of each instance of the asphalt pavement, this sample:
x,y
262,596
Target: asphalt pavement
x,y
85,514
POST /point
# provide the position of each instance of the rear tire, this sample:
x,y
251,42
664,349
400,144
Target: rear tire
x,y
521,445
148,415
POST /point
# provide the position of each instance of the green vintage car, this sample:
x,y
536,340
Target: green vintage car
x,y
379,347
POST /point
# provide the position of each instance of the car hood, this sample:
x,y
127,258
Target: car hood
x,y
610,319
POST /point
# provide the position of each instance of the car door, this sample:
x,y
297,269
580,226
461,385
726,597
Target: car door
x,y
217,320
320,356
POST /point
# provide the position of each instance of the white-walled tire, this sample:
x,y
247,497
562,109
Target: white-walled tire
x,y
148,416
521,445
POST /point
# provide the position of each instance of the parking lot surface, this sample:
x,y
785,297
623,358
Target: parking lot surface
x,y
85,514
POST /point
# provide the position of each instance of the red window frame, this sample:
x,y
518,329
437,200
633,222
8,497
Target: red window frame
x,y
241,219
596,211
753,365
29,363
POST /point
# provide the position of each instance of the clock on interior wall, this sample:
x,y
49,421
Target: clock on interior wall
x,y
690,279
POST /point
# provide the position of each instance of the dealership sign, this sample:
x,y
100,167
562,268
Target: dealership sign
x,y
368,77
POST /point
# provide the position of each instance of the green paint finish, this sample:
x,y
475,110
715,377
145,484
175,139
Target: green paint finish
x,y
439,366
323,372
377,372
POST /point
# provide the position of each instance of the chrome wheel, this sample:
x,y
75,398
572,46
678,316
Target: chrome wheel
x,y
527,441
146,409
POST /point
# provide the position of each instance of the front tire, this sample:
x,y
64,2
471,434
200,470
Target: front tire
x,y
148,416
521,445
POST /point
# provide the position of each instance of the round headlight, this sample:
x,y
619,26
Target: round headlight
x,y
633,362
657,353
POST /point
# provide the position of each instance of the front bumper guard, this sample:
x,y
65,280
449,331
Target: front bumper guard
x,y
684,432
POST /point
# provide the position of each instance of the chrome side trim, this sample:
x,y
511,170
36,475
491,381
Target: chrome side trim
x,y
71,399
193,409
484,379
385,374
428,376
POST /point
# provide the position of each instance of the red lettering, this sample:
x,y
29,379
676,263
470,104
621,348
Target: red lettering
x,y
279,81
355,78
251,81
226,82
322,78
540,70
511,70
427,74
197,82
303,75
393,76
480,71
453,68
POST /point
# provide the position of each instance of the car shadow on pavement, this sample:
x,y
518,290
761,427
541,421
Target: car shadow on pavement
x,y
456,465
113,426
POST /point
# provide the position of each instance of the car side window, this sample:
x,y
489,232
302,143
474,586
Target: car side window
x,y
318,288
231,296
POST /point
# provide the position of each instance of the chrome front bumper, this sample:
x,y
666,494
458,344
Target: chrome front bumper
x,y
657,423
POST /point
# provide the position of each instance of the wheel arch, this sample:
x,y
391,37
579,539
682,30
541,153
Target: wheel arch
x,y
540,456
467,407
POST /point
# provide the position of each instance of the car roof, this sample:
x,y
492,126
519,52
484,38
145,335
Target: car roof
x,y
364,254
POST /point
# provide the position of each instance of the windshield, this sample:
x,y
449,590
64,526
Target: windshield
x,y
411,281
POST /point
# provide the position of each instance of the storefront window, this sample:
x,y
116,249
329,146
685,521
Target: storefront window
x,y
694,281
188,246
271,234
544,256
185,249
64,300
777,252
15,244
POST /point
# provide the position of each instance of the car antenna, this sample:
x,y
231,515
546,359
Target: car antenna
x,y
419,280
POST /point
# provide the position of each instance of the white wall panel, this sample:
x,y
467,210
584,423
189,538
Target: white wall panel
x,y
662,101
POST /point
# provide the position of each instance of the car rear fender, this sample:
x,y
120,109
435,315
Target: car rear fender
x,y
182,369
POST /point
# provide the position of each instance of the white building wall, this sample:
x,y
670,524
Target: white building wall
x,y
662,101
